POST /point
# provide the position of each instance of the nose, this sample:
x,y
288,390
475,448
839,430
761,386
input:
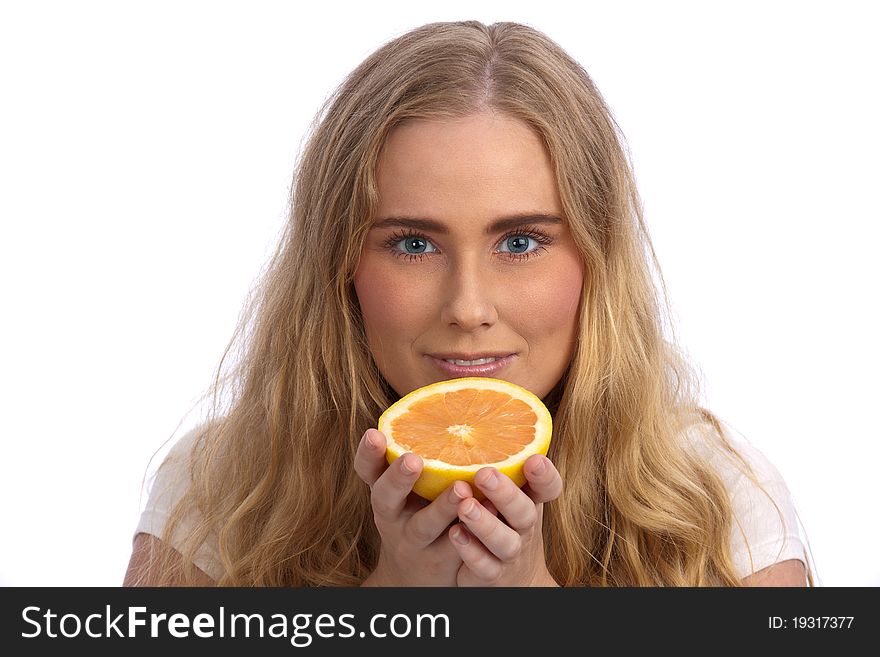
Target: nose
x,y
470,301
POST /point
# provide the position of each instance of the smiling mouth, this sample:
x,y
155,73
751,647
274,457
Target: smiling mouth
x,y
464,359
476,365
478,361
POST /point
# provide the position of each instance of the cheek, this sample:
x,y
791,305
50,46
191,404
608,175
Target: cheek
x,y
565,306
385,298
551,304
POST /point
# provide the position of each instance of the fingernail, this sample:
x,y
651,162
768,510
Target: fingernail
x,y
460,535
459,491
489,481
372,441
471,511
540,467
408,464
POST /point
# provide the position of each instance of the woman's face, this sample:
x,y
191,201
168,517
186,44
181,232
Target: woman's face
x,y
439,276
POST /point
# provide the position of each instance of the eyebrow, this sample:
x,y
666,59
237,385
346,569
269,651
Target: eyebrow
x,y
504,223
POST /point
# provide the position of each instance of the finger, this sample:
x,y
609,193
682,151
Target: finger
x,y
517,508
389,493
481,564
544,483
369,460
502,541
426,525
488,506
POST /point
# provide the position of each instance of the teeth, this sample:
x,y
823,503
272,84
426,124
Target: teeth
x,y
479,361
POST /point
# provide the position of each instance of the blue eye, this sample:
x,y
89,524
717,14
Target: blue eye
x,y
416,243
517,242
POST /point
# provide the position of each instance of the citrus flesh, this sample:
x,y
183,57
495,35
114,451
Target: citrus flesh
x,y
461,425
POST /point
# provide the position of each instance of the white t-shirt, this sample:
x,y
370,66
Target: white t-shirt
x,y
169,484
761,534
759,538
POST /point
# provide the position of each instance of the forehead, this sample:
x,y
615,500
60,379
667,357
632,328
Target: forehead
x,y
482,165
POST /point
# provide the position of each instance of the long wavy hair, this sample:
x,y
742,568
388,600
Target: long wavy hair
x,y
272,476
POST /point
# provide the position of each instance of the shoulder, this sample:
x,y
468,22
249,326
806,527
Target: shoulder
x,y
765,529
172,478
170,483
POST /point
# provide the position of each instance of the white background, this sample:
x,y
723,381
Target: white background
x,y
146,151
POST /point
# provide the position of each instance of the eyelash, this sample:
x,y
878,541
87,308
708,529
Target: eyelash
x,y
527,231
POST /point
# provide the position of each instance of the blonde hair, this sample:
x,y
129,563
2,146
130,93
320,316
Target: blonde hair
x,y
272,475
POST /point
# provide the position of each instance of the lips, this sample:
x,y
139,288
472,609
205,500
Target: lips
x,y
482,367
475,361
460,355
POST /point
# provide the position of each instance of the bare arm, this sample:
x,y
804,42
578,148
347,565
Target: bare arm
x,y
139,572
784,573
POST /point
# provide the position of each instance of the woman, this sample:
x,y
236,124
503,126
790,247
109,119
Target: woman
x,y
464,194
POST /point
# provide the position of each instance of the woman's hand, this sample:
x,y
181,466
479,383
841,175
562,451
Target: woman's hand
x,y
500,541
415,550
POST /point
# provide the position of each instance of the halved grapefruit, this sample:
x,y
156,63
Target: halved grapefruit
x,y
461,425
